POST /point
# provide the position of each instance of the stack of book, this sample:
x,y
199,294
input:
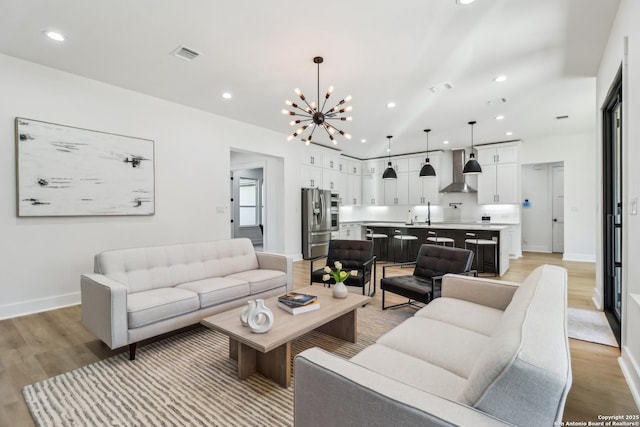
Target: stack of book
x,y
296,303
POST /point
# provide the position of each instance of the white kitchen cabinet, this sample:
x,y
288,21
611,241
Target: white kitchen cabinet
x,y
372,190
423,190
311,177
351,231
400,164
499,182
497,153
373,167
396,191
312,157
331,161
330,180
350,182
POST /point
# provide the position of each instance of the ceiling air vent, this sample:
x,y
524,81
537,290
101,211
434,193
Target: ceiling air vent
x,y
185,53
561,117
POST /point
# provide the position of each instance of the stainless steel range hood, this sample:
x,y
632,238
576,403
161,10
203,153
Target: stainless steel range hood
x,y
458,185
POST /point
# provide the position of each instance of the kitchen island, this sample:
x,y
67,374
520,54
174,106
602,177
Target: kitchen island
x,y
455,231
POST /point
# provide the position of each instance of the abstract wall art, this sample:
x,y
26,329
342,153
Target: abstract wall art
x,y
68,171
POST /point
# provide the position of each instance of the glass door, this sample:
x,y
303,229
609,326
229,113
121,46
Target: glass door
x,y
612,205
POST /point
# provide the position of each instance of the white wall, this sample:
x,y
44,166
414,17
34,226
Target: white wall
x,y
41,259
625,26
578,153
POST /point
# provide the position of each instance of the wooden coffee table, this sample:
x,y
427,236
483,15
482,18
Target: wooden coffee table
x,y
270,353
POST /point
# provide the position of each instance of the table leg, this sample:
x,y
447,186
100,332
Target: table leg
x,y
275,364
344,327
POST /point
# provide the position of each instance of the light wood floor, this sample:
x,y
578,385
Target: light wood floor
x,y
42,345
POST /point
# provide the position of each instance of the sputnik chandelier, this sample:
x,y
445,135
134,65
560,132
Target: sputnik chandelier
x,y
313,116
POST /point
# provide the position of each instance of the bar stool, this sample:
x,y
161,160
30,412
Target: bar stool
x,y
481,243
403,238
373,236
433,237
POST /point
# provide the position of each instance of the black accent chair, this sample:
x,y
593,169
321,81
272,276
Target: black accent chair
x,y
424,285
354,255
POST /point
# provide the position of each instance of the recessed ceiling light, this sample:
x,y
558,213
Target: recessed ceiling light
x,y
509,133
227,95
445,142
363,140
391,104
500,117
54,35
464,2
500,78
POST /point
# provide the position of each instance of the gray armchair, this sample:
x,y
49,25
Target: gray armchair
x,y
431,264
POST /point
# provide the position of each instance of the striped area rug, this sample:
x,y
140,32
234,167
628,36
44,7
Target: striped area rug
x,y
184,380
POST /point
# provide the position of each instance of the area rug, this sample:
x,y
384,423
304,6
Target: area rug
x,y
590,325
184,380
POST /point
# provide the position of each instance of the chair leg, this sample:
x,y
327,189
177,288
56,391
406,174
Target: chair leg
x,y
383,307
132,351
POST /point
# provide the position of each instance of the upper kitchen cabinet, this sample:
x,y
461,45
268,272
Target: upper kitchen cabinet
x,y
350,182
396,191
331,161
312,156
424,189
372,182
499,182
311,177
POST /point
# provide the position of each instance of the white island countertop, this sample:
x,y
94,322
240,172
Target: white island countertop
x,y
442,225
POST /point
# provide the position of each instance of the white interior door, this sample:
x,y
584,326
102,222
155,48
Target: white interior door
x,y
557,185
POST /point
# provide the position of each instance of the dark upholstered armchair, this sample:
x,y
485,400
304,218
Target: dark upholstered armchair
x,y
354,255
432,263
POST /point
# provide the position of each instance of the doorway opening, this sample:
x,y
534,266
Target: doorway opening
x,y
248,205
543,207
612,204
257,199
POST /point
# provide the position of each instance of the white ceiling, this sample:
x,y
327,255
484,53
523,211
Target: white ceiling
x,y
377,51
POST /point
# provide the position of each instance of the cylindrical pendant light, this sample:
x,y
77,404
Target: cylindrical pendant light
x,y
389,172
427,169
472,167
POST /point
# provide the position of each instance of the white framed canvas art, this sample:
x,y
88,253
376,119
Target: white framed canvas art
x,y
68,171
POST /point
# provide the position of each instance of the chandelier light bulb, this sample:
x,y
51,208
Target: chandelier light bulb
x,y
290,137
289,103
348,98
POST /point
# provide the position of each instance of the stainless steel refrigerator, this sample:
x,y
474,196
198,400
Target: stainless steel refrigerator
x,y
316,222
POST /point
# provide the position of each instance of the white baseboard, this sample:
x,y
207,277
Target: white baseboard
x,y
297,257
597,299
631,372
530,248
9,311
517,255
578,257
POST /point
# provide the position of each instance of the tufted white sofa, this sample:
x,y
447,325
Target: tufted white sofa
x,y
487,353
135,294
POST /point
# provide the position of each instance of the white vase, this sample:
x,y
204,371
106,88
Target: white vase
x,y
340,290
246,311
261,318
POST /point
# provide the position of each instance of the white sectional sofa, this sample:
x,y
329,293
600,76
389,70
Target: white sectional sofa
x,y
487,353
139,293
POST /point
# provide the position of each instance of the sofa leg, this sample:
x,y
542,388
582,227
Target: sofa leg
x,y
132,351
